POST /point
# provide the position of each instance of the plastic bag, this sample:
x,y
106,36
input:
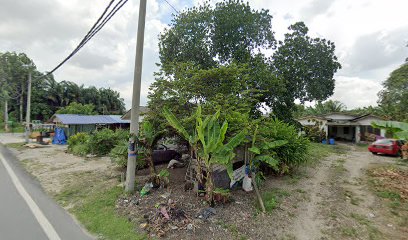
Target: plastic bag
x,y
146,189
247,184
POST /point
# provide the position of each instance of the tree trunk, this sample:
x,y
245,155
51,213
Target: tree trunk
x,y
6,127
151,164
210,188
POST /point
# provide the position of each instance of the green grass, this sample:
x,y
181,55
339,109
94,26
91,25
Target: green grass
x,y
318,151
349,232
18,146
389,194
272,198
17,128
97,214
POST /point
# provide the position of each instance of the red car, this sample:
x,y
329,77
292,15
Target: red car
x,y
386,146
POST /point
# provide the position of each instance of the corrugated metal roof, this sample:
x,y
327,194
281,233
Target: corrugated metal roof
x,y
88,119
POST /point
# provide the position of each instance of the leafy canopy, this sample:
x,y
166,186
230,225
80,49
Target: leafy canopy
x,y
78,108
394,97
214,50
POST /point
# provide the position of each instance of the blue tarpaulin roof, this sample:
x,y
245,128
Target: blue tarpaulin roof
x,y
69,119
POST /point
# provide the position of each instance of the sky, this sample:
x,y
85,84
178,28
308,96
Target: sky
x,y
370,38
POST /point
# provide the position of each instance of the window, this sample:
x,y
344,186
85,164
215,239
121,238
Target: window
x,y
346,130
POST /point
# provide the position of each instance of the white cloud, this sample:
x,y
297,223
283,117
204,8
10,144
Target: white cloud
x,y
356,92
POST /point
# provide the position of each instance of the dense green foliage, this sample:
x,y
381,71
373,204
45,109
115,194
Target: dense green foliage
x,y
398,129
48,95
290,154
78,108
307,66
210,55
394,97
103,141
99,143
78,144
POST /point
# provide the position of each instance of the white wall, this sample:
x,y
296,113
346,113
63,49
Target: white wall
x,y
311,122
367,121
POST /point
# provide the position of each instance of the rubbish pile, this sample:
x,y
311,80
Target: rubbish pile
x,y
167,216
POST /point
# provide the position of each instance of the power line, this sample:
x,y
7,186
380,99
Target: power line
x,y
98,25
172,6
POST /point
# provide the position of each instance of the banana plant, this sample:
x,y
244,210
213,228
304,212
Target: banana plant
x,y
148,139
207,140
213,151
398,129
190,137
260,151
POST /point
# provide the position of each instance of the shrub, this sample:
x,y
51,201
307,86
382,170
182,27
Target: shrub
x,y
291,154
78,139
102,141
80,150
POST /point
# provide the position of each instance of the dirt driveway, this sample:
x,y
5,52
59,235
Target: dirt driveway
x,y
342,204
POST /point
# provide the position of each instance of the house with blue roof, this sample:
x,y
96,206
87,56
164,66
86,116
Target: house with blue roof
x,y
75,123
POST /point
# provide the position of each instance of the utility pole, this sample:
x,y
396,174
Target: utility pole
x,y
27,130
134,120
6,126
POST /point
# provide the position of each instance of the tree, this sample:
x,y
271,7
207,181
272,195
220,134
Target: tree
x,y
394,97
207,36
210,51
78,108
307,66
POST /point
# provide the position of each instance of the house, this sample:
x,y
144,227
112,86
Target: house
x,y
142,111
74,123
345,127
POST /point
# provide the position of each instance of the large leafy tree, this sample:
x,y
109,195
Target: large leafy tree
x,y
306,66
210,51
207,36
394,97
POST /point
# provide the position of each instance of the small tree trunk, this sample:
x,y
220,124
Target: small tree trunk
x,y
6,127
151,164
209,188
258,195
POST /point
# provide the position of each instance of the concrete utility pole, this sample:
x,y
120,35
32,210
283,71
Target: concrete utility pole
x,y
27,130
134,120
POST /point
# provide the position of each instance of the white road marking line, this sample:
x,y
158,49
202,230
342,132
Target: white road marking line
x,y
38,214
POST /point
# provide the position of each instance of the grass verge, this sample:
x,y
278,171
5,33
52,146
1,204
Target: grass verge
x,y
18,146
97,213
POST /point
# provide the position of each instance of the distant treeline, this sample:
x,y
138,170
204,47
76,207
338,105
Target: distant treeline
x,y
47,95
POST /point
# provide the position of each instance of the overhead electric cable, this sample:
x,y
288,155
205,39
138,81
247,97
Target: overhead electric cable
x,y
98,25
172,6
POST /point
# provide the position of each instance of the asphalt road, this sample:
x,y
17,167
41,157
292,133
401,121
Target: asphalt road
x,y
26,212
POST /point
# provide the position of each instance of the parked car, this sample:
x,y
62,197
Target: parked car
x,y
162,154
386,146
